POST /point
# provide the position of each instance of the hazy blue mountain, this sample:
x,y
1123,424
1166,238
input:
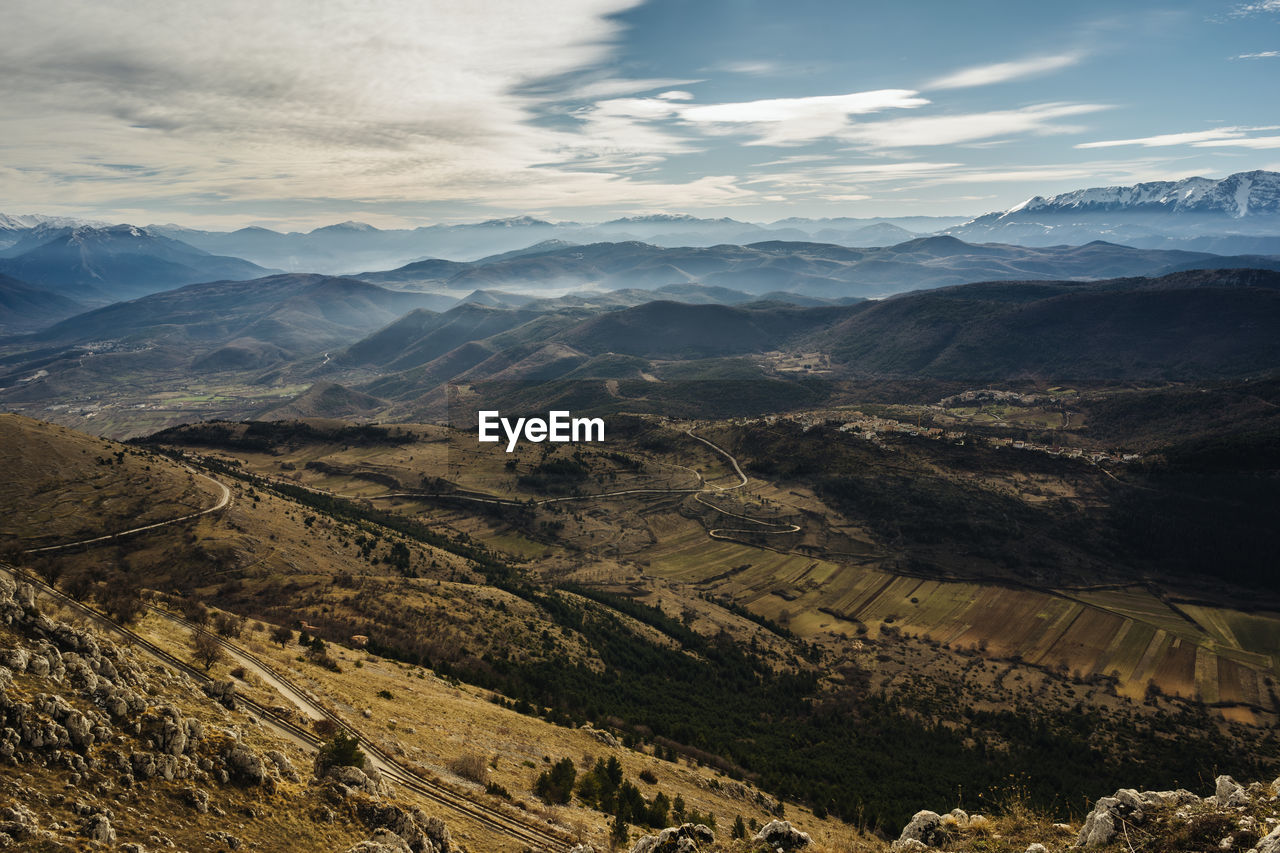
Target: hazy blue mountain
x,y
24,308
820,270
102,265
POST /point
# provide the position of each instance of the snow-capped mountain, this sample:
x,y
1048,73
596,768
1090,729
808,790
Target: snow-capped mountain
x,y
1237,214
1240,195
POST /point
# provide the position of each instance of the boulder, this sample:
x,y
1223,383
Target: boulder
x,y
226,839
686,838
244,765
353,779
1269,843
925,827
98,828
223,692
1229,792
780,834
282,764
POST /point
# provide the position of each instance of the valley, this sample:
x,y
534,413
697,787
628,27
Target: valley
x,y
933,522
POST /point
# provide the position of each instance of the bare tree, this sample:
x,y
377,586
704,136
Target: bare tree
x,y
206,649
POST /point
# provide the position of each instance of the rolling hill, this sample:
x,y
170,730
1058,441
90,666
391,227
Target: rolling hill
x,y
24,308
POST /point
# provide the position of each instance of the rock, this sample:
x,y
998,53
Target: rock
x,y
79,729
220,837
353,779
1270,843
223,692
198,799
382,841
15,659
244,765
925,827
1036,848
282,764
582,848
18,822
98,828
1229,792
1100,825
686,838
412,825
780,834
439,834
911,845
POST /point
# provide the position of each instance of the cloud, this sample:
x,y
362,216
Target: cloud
x,y
1003,72
1266,54
789,121
1198,138
261,104
1258,142
1246,10
1039,119
753,68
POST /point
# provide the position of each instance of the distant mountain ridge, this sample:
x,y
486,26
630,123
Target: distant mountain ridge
x,y
104,265
1237,214
1243,194
812,269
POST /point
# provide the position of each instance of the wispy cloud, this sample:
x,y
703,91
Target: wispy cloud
x,y
787,121
1003,72
1266,54
1198,138
1256,142
1038,119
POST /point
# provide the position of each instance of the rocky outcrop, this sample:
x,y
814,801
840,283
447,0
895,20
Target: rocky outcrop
x,y
781,835
925,830
688,838
1110,813
98,828
354,780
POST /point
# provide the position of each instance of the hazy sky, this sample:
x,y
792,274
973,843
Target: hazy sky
x,y
295,113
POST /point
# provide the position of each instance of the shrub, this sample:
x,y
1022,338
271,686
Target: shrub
x,y
340,750
471,766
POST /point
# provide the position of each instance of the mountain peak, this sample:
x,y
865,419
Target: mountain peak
x,y
1237,196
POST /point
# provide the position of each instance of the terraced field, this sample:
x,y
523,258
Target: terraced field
x,y
1131,635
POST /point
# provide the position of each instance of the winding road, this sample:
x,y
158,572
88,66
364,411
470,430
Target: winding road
x,y
223,502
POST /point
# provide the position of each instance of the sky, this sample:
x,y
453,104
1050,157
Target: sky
x,y
298,113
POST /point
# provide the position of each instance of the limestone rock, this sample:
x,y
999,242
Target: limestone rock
x,y
781,834
244,765
98,828
354,779
1229,792
687,838
1269,843
925,827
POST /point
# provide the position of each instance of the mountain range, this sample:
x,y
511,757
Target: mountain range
x,y
1238,214
104,265
813,269
1234,215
